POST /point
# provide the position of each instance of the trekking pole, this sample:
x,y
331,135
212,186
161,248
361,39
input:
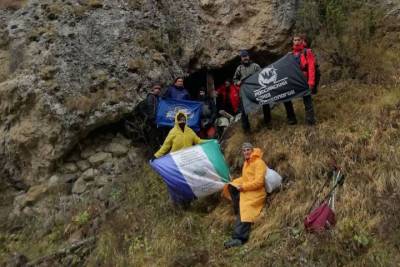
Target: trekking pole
x,y
316,198
338,181
335,178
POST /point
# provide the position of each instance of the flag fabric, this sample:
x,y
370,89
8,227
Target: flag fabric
x,y
281,81
167,109
193,172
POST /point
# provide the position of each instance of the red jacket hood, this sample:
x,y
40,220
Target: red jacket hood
x,y
298,48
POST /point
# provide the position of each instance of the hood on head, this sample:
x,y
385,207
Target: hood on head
x,y
257,153
176,117
298,47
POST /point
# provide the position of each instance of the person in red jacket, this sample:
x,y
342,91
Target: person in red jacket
x,y
228,98
306,60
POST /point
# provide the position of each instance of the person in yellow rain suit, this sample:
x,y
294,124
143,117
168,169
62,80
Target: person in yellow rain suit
x,y
247,194
179,137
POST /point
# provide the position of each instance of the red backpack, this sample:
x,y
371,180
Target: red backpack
x,y
323,217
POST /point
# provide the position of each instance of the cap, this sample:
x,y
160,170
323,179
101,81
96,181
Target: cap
x,y
244,53
247,145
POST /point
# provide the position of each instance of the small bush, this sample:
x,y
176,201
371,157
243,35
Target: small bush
x,y
82,218
346,33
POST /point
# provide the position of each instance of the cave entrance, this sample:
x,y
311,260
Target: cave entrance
x,y
210,79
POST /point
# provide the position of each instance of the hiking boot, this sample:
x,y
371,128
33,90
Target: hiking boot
x,y
268,125
310,122
233,243
292,121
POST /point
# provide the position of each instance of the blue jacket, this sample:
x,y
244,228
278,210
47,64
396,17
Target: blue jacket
x,y
177,93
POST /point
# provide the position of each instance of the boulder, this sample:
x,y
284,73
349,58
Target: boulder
x,y
117,149
80,186
103,180
83,165
99,158
87,152
34,194
70,167
55,180
89,174
107,167
104,192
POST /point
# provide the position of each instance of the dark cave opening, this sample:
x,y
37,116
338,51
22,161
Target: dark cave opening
x,y
214,77
203,78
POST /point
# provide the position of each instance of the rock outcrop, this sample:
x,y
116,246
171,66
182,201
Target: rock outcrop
x,y
69,67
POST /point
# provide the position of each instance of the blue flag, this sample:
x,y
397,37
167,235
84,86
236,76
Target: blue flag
x,y
167,108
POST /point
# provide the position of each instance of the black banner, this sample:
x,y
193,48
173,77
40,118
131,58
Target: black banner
x,y
278,82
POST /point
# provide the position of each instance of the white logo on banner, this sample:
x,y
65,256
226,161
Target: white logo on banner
x,y
268,79
171,113
267,76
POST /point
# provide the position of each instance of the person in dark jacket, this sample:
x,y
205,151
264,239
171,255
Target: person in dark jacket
x,y
148,111
208,115
306,60
243,71
151,103
177,90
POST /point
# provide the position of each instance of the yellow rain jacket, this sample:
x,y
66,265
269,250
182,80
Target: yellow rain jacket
x,y
252,198
178,139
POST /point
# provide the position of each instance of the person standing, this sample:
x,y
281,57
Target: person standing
x,y
306,60
247,194
243,71
149,109
177,90
208,115
228,98
152,100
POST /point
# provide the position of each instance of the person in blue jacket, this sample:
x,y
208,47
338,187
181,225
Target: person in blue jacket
x,y
177,90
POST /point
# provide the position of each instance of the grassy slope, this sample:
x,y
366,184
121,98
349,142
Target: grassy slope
x,y
358,127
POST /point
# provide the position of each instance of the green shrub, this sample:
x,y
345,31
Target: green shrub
x,y
347,35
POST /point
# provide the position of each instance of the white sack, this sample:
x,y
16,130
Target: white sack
x,y
272,180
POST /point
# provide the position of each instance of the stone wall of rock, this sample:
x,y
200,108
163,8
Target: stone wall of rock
x,y
69,67
91,176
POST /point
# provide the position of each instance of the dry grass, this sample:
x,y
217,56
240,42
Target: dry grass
x,y
358,127
11,4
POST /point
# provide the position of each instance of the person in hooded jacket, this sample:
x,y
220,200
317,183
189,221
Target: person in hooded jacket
x,y
306,60
247,194
179,137
228,98
177,90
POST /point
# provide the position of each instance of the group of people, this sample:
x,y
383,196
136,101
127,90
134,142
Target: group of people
x,y
226,103
247,192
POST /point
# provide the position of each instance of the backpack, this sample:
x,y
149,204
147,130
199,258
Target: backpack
x,y
317,73
321,218
317,70
273,180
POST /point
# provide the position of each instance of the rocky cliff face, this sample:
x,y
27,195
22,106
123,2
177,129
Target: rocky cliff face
x,y
69,67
